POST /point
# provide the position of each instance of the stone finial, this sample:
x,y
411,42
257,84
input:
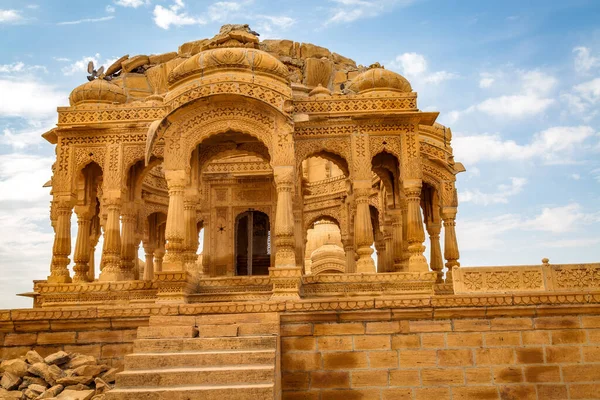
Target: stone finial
x,y
545,261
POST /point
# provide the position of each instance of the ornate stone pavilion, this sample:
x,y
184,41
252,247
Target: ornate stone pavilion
x,y
258,178
257,144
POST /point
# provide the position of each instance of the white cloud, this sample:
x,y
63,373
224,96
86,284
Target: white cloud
x,y
584,98
532,98
414,66
584,61
589,91
486,80
269,26
19,67
553,146
23,138
86,20
569,243
164,17
346,11
487,233
29,98
110,9
131,3
221,10
500,196
61,59
575,177
80,66
10,16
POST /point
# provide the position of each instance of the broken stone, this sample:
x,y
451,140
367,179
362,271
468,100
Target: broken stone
x,y
58,358
79,386
10,395
110,375
33,380
55,372
134,62
10,381
34,391
101,386
52,392
161,58
80,360
16,367
43,371
74,380
88,370
33,357
76,395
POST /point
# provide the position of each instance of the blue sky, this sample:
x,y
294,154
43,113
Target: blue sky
x,y
518,82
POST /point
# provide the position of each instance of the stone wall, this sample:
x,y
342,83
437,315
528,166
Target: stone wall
x,y
526,353
107,339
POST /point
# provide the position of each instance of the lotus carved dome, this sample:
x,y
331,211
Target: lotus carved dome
x,y
237,58
97,91
328,257
379,79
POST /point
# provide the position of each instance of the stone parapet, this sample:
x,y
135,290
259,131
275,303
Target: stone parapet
x,y
527,278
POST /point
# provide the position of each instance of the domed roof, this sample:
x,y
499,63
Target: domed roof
x,y
379,79
97,91
250,59
328,252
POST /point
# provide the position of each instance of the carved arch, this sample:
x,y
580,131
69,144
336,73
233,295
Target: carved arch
x,y
336,150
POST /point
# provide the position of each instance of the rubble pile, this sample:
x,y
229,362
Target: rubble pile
x,y
60,376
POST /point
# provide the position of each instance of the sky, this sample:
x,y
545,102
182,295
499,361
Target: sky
x,y
518,82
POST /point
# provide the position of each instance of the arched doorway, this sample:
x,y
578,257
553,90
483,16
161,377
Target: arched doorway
x,y
252,243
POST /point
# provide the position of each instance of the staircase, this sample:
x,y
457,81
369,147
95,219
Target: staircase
x,y
208,357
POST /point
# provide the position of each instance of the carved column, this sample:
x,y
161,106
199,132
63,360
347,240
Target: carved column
x,y
349,250
450,243
149,248
405,253
191,230
389,247
82,244
62,244
381,255
415,231
111,256
435,258
397,245
286,274
128,245
175,229
95,232
159,253
363,231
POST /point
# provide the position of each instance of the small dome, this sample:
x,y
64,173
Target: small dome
x,y
224,58
379,79
329,257
97,91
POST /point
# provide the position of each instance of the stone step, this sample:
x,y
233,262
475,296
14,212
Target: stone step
x,y
198,359
204,392
196,376
213,319
164,332
198,344
224,330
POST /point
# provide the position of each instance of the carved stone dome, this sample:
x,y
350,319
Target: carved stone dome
x,y
232,58
97,91
328,257
379,79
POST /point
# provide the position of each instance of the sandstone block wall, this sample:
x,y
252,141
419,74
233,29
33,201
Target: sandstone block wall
x,y
372,356
107,339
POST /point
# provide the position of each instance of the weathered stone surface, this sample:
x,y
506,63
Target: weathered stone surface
x,y
308,50
43,371
34,391
16,367
10,381
89,370
191,48
76,395
161,58
110,375
317,72
52,392
33,357
31,380
134,62
101,386
278,47
58,358
79,361
74,380
116,66
10,395
79,386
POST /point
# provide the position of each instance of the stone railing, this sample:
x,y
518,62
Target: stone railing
x,y
527,278
328,186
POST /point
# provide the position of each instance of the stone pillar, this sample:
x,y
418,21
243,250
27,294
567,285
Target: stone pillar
x,y
111,256
82,244
363,231
149,248
450,243
350,260
61,248
381,255
191,230
435,259
286,274
415,231
95,232
389,247
128,245
175,229
397,242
